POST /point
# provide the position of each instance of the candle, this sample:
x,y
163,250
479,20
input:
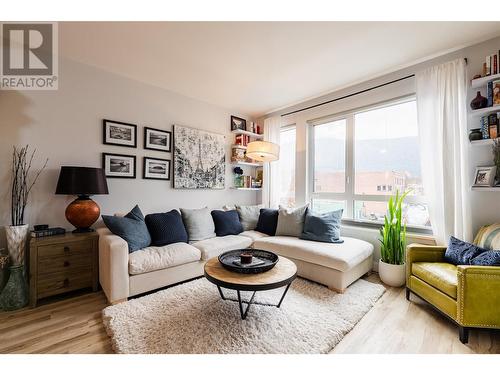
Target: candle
x,y
246,258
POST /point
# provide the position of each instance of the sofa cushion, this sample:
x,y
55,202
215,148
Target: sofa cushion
x,y
159,257
341,257
166,228
253,234
461,252
249,216
322,227
199,223
131,228
291,221
268,221
213,247
442,276
226,222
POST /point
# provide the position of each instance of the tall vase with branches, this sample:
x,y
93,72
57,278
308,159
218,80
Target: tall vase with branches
x,y
15,294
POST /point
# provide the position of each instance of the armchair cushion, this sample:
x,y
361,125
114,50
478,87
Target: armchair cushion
x,y
442,276
488,258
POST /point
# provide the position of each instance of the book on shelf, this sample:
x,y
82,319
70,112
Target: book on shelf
x,y
47,232
490,93
485,131
493,126
488,66
495,64
495,89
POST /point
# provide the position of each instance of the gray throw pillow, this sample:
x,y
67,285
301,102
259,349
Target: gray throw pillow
x,y
323,227
249,216
291,221
131,228
199,223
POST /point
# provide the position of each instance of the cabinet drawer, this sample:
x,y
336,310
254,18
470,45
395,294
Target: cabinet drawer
x,y
62,282
72,248
69,263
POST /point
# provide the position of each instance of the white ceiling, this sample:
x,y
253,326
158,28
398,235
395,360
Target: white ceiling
x,y
255,67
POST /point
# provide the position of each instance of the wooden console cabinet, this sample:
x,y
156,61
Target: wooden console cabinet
x,y
60,264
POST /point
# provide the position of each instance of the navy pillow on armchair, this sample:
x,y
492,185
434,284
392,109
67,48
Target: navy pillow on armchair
x,y
166,228
460,252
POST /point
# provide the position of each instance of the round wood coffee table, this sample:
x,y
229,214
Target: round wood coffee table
x,y
282,274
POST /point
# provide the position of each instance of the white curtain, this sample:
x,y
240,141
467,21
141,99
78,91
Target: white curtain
x,y
442,123
271,175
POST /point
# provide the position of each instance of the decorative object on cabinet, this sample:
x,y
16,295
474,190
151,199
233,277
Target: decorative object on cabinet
x,y
15,294
156,169
237,123
83,182
118,165
484,176
119,133
479,101
199,159
61,264
156,139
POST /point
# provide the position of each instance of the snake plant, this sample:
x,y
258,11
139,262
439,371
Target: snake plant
x,y
393,233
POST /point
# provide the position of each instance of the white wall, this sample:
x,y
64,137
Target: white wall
x,y
65,126
485,205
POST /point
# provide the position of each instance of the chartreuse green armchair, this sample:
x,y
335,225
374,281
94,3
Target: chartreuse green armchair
x,y
469,295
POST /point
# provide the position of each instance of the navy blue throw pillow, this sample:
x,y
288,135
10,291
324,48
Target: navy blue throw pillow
x,y
460,252
268,221
166,228
226,223
322,227
131,228
488,258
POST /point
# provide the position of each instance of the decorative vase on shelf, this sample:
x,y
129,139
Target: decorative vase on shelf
x,y
15,293
479,101
475,135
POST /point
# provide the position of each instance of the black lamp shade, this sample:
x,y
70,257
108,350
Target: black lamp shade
x,y
81,181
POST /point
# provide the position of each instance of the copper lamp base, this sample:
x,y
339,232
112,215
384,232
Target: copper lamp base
x,y
82,213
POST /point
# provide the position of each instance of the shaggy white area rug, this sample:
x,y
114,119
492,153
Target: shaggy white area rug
x,y
192,318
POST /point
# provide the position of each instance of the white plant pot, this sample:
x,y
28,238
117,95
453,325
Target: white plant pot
x,y
16,243
392,274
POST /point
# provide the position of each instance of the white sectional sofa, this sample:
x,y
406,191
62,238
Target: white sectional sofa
x,y
123,275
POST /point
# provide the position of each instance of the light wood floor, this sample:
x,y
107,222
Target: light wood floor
x,y
393,326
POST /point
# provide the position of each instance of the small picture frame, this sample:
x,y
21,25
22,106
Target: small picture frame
x,y
238,123
119,133
157,139
484,176
156,169
118,166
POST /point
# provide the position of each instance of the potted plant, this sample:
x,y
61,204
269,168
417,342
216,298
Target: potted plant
x,y
15,293
391,266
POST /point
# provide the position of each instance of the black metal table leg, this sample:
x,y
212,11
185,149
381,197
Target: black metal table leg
x,y
244,313
283,296
221,294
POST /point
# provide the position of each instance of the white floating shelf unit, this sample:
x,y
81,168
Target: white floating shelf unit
x,y
253,135
239,146
483,81
485,188
246,164
482,142
249,189
483,111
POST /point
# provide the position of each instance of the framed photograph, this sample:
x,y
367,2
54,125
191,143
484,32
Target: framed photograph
x,y
156,169
118,166
199,159
238,123
156,139
485,176
119,133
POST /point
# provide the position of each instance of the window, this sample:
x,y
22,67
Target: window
x,y
287,166
362,158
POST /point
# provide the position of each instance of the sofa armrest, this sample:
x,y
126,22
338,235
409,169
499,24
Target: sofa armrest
x,y
422,253
113,266
478,296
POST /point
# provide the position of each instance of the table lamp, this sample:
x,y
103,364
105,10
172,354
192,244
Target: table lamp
x,y
83,182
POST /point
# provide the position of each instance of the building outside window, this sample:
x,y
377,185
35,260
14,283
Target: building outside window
x,y
358,163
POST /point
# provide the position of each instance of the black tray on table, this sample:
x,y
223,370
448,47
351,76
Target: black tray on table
x,y
229,258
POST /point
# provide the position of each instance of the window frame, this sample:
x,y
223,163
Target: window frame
x,y
285,128
349,196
